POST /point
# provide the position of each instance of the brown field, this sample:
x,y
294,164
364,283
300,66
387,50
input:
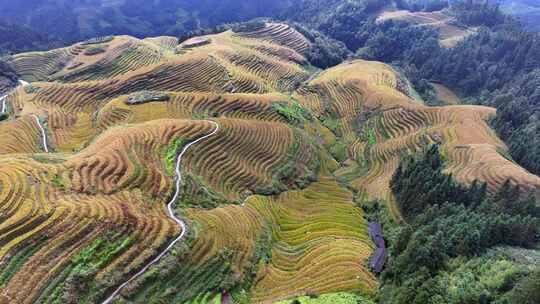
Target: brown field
x,y
445,95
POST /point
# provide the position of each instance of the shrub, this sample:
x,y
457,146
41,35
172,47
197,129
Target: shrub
x,y
146,96
31,89
293,112
339,151
94,50
97,40
324,51
249,26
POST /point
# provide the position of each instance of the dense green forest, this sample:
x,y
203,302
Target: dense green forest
x,y
8,77
16,38
76,20
528,11
454,247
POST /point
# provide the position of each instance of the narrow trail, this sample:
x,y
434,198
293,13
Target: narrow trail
x,y
3,98
43,134
171,215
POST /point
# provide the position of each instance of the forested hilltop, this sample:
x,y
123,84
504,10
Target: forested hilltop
x,y
42,24
76,20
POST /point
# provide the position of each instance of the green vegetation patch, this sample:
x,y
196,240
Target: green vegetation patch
x,y
49,158
449,225
78,279
95,49
294,172
31,89
53,292
485,276
293,112
146,96
366,124
250,26
329,298
207,298
8,270
332,124
261,256
196,194
186,282
101,252
171,154
58,181
339,151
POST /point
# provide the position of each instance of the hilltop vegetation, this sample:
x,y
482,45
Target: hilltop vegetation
x,y
16,38
71,21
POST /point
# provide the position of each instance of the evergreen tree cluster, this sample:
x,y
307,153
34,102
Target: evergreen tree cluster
x,y
419,183
477,13
8,77
324,52
16,38
446,221
75,20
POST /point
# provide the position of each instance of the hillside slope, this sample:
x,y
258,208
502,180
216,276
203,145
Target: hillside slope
x,y
442,21
267,205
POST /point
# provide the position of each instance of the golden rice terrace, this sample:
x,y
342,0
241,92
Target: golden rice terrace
x,y
270,157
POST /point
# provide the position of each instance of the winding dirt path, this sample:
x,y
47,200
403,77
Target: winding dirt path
x,y
171,215
3,99
43,133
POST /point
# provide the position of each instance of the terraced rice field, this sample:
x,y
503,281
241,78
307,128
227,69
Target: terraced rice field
x,y
380,122
450,34
316,239
266,219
